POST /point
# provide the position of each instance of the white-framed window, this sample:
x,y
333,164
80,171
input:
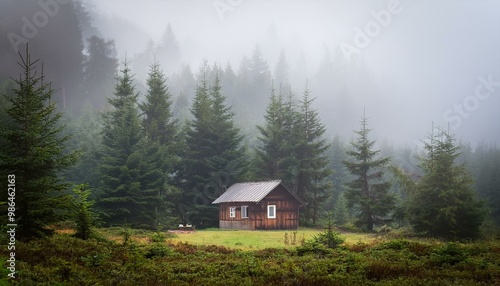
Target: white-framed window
x,y
244,211
232,212
271,211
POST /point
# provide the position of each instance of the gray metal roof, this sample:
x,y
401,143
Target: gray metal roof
x,y
247,192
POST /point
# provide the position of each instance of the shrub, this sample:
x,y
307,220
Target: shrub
x,y
359,246
82,213
449,254
328,238
126,233
314,247
217,249
158,250
158,237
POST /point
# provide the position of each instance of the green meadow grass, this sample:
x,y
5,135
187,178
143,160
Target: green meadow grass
x,y
258,239
237,239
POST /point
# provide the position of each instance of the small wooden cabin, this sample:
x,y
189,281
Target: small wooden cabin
x,y
259,205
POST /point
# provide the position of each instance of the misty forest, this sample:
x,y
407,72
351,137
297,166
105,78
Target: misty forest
x,y
121,120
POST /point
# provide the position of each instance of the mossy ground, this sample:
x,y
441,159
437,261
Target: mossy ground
x,y
149,259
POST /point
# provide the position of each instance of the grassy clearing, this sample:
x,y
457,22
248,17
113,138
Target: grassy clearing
x,y
237,239
244,239
255,239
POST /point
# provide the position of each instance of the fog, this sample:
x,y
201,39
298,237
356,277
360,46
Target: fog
x,y
409,64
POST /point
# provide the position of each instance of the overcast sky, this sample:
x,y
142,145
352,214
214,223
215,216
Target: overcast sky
x,y
433,61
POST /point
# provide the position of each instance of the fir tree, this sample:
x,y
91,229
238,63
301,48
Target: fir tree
x,y
444,204
33,152
367,193
121,135
292,149
275,148
230,153
126,162
274,153
158,122
310,155
214,156
160,144
168,50
82,212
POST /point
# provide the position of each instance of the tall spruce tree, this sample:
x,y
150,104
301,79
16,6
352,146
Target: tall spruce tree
x,y
292,149
130,178
161,142
196,154
368,193
158,122
444,204
215,157
32,154
121,135
274,153
271,137
230,159
312,161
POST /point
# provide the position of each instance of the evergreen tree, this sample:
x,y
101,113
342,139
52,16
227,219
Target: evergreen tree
x,y
82,212
121,134
275,149
32,153
292,149
367,193
130,177
154,204
161,141
198,145
444,204
214,157
158,122
168,50
311,159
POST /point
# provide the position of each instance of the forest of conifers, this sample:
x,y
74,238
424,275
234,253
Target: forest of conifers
x,y
148,142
